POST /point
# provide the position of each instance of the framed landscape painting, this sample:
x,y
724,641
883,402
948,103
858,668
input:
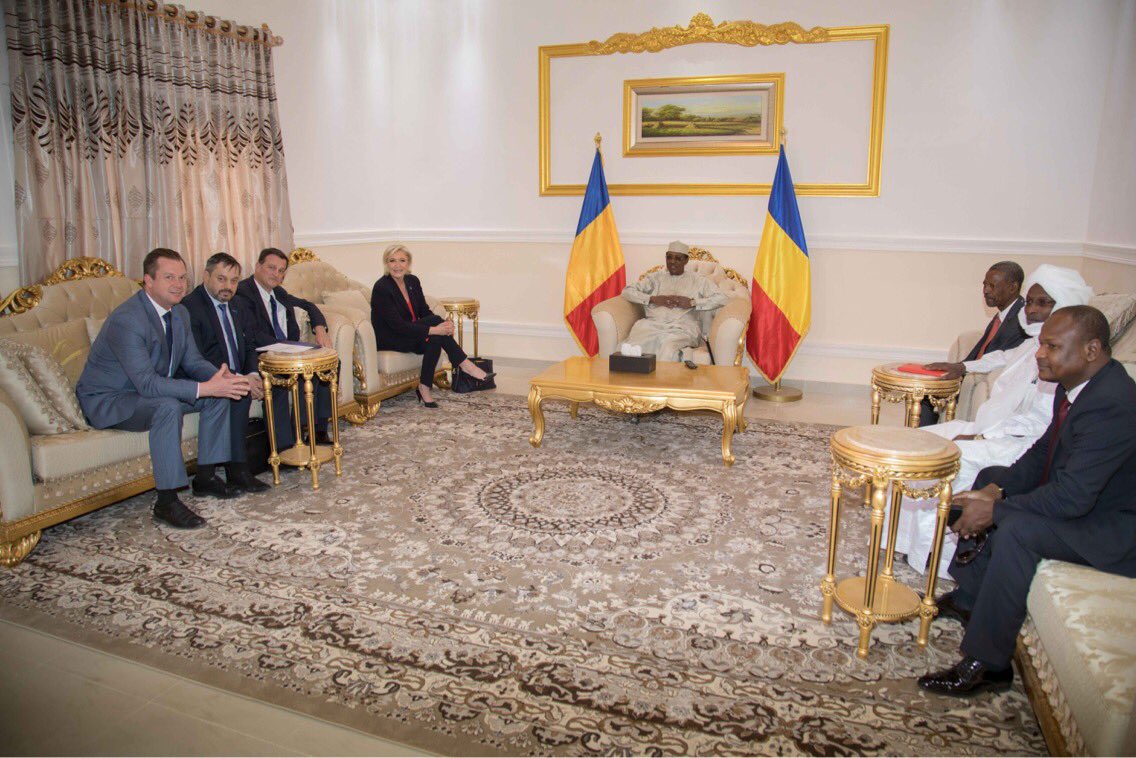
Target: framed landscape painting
x,y
703,115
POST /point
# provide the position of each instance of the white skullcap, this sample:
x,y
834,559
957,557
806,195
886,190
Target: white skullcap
x,y
679,247
1064,285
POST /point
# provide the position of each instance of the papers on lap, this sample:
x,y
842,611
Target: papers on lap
x,y
915,368
287,347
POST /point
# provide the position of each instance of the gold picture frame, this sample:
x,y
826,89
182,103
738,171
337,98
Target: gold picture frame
x,y
703,115
702,29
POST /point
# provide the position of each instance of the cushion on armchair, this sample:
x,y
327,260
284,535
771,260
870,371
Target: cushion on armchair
x,y
353,299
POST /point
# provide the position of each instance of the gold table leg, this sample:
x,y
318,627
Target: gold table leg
x,y
952,404
273,453
865,618
928,609
537,412
729,424
911,418
295,386
893,526
875,405
573,409
474,317
336,448
828,584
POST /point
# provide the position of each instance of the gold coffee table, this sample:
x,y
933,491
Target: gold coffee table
x,y
723,389
883,458
895,386
457,308
285,370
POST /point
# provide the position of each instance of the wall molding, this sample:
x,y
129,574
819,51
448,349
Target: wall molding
x,y
877,353
863,243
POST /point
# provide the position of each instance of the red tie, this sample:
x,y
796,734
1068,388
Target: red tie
x,y
994,326
1058,422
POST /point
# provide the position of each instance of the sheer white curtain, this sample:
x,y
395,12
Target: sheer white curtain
x,y
139,125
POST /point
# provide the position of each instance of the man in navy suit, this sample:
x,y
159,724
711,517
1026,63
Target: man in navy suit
x,y
129,383
1069,498
219,328
1001,289
274,320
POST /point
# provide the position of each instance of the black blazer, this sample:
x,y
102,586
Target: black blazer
x,y
395,327
261,323
209,336
1010,333
1091,492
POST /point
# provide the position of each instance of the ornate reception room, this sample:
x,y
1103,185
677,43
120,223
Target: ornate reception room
x,y
492,377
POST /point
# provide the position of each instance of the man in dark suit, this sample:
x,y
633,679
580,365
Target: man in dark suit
x,y
274,320
1001,289
219,326
129,383
1069,498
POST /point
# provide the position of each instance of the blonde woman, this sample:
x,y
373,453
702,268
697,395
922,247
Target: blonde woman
x,y
404,322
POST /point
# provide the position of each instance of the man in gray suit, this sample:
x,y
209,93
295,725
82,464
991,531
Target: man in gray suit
x,y
128,384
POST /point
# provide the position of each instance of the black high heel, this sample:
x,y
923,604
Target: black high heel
x,y
418,394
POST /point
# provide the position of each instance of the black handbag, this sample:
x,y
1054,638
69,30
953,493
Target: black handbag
x,y
463,382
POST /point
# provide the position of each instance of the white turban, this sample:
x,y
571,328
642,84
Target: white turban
x,y
1064,285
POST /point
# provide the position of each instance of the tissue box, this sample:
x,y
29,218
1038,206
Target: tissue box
x,y
634,364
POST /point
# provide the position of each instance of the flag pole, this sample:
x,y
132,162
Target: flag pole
x,y
775,393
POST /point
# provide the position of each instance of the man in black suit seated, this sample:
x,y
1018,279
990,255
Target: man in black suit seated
x,y
274,320
1069,498
219,328
1001,289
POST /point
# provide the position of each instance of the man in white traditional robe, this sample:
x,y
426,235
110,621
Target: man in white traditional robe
x,y
670,299
1016,414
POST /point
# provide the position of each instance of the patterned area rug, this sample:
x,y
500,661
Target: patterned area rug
x,y
618,591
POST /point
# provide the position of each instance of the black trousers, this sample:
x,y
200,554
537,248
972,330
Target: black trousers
x,y
927,413
432,351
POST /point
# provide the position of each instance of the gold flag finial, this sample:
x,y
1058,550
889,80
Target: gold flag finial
x,y
598,139
784,136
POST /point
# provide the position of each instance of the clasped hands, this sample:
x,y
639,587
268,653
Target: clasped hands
x,y
446,328
232,386
672,301
977,510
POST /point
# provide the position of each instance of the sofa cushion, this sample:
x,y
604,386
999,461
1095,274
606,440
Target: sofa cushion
x,y
1119,309
353,299
391,362
94,326
49,375
63,455
1085,620
67,343
38,412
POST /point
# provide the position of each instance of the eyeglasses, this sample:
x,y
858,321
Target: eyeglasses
x,y
967,556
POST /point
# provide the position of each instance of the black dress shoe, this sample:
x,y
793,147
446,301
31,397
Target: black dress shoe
x,y
949,608
431,404
213,487
323,438
176,514
248,483
968,677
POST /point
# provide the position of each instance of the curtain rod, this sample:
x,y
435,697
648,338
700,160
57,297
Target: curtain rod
x,y
197,20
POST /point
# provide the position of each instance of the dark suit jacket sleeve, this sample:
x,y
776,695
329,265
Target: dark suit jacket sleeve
x,y
387,316
192,362
197,323
315,315
259,328
246,325
1099,442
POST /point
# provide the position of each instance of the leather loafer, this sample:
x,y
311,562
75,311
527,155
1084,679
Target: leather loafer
x,y
248,483
967,678
176,514
949,608
213,487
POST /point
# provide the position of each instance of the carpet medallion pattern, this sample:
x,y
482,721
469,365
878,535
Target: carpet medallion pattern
x,y
617,591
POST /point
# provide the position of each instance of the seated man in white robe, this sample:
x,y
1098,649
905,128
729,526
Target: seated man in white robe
x,y
1007,424
670,299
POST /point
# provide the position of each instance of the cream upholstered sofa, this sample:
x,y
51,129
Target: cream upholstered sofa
x,y
378,374
1077,650
724,329
54,466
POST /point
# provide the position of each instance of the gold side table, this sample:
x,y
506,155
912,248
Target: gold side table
x,y
458,309
895,386
285,370
884,458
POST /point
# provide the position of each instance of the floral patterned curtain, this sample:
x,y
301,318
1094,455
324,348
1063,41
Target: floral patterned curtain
x,y
139,125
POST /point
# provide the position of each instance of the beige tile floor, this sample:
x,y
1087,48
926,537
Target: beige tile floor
x,y
60,698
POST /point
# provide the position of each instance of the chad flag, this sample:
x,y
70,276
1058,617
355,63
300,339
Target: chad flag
x,y
781,289
595,268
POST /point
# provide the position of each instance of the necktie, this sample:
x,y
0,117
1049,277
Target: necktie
x,y
167,320
275,321
1058,422
229,337
994,326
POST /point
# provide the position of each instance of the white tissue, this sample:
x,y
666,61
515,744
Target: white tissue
x,y
628,349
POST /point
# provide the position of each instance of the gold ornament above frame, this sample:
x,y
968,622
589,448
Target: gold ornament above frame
x,y
703,115
702,29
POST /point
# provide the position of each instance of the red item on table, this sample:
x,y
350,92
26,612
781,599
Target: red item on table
x,y
915,368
